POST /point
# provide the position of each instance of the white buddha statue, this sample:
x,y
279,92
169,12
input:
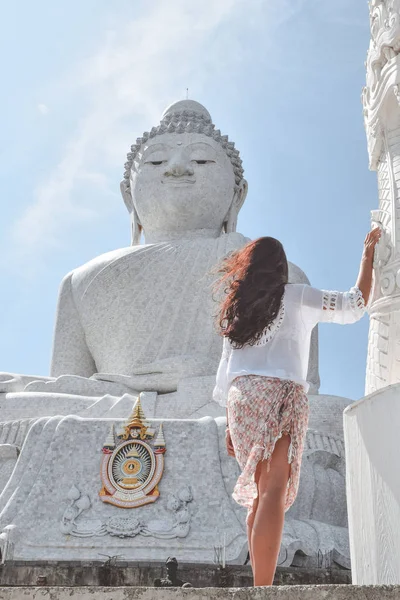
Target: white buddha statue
x,y
141,319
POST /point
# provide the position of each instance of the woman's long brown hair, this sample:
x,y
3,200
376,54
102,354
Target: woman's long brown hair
x,y
254,279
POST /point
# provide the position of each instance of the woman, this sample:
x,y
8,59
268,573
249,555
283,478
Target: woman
x,y
266,324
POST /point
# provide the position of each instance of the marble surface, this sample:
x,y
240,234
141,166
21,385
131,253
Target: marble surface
x,y
65,452
61,453
373,492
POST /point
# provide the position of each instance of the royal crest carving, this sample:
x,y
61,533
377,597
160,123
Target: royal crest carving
x,y
133,463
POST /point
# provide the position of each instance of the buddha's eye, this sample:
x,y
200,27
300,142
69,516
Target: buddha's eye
x,y
156,163
203,162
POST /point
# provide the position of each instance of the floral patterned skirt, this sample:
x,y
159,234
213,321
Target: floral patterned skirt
x,y
260,410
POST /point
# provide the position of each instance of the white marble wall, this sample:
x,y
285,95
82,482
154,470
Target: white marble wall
x,y
373,487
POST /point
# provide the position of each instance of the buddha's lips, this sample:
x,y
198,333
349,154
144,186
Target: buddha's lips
x,y
178,180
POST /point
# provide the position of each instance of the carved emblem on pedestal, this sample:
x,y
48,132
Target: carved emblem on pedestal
x,y
133,463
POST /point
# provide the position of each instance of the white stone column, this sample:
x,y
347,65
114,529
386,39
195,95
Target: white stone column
x,y
381,100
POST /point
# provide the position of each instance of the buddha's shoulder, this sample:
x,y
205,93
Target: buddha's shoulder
x,y
86,273
107,265
234,241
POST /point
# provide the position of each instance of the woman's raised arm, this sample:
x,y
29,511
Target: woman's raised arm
x,y
364,280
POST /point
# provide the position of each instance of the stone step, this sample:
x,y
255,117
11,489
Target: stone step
x,y
142,574
331,592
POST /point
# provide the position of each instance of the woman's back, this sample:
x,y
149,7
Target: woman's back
x,y
284,347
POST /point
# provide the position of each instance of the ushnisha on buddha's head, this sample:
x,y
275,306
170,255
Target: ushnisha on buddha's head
x,y
183,178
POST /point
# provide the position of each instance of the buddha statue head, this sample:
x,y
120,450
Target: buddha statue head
x,y
183,178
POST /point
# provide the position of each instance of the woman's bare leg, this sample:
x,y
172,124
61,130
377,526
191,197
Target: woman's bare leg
x,y
251,516
269,517
250,523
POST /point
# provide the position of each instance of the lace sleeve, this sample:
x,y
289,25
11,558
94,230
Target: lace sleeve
x,y
332,307
220,393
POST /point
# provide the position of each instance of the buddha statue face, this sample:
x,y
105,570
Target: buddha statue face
x,y
183,183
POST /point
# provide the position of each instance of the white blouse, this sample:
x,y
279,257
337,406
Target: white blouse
x,y
284,348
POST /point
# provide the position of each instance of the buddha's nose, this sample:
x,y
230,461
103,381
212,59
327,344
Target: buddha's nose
x,y
179,167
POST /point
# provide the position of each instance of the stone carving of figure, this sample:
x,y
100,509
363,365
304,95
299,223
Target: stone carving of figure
x,y
141,318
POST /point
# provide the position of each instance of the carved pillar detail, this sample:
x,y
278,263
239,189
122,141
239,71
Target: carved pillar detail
x,y
381,103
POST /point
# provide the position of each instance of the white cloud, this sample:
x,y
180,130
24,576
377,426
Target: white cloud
x,y
137,69
43,109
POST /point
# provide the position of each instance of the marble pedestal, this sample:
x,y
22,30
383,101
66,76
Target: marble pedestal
x,y
371,428
60,453
59,469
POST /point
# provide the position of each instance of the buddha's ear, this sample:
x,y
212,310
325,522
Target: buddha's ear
x,y
239,197
126,194
136,227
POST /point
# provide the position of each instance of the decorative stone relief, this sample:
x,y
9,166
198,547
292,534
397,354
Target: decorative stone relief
x,y
382,72
385,36
61,453
178,526
385,39
381,107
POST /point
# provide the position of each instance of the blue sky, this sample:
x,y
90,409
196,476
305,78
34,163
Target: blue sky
x,y
81,80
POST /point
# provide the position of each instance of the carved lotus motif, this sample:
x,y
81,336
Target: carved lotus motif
x,y
83,503
123,526
185,494
173,503
73,494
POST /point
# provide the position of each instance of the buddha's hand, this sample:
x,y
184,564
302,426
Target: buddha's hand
x,y
162,376
179,366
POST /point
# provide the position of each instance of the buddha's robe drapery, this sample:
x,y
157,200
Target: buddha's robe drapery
x,y
144,316
140,310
